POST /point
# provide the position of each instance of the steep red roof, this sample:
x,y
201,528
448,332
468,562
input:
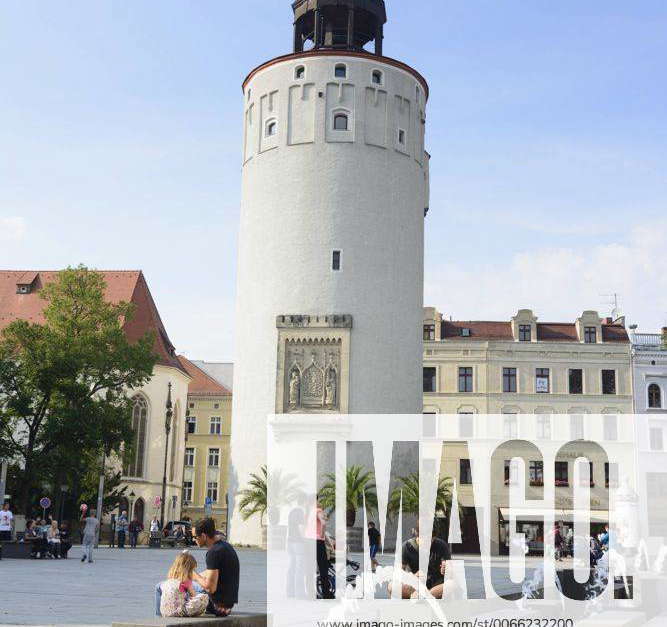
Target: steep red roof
x,y
122,285
202,384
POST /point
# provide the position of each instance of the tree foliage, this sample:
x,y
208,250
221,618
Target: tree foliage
x,y
64,383
408,490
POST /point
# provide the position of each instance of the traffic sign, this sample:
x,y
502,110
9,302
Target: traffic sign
x,y
209,500
45,502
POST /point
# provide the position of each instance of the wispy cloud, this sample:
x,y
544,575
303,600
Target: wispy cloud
x,y
559,283
12,228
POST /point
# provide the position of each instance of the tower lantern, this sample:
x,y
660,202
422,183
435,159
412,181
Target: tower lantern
x,y
339,24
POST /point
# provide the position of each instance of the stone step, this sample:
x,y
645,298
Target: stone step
x,y
239,619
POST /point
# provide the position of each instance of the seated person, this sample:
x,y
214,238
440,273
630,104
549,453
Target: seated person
x,y
221,577
65,540
179,595
439,552
449,589
33,534
53,538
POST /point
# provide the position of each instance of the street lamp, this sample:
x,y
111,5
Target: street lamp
x,y
167,428
63,489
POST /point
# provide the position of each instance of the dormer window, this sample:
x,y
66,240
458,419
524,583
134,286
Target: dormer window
x,y
590,335
23,289
525,333
299,73
340,71
465,332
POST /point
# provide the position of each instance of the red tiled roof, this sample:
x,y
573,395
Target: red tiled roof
x,y
546,331
122,285
479,330
202,384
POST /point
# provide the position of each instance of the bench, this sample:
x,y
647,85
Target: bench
x,y
15,550
236,619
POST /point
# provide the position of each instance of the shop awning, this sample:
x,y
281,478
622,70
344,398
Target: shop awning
x,y
530,514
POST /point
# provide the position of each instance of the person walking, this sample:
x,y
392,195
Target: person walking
x,y
89,536
122,526
6,522
135,527
373,544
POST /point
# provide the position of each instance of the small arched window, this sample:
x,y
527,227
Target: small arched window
x,y
341,122
271,128
340,71
377,77
654,396
299,72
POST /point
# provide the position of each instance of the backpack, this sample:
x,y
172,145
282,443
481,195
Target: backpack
x,y
175,603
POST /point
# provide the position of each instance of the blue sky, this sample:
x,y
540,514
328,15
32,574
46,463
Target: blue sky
x,y
120,128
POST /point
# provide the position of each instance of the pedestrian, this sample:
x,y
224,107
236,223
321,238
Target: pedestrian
x,y
373,543
6,522
112,544
91,526
221,577
135,527
558,543
122,526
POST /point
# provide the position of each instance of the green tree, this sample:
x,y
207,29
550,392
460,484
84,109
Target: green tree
x,y
360,483
408,490
64,384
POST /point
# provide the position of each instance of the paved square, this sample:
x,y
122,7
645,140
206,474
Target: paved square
x,y
118,585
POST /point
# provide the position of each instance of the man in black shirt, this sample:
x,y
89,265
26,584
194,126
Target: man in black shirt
x,y
439,552
221,577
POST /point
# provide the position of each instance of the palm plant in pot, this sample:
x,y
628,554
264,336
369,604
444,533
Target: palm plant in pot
x,y
360,485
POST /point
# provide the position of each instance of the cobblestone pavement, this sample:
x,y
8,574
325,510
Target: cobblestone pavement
x,y
118,585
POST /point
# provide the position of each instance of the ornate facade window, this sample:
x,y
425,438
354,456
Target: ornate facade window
x,y
133,465
654,396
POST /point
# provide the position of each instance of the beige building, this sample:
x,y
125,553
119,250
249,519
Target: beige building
x,y
533,381
207,447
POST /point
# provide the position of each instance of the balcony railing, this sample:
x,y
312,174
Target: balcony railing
x,y
653,340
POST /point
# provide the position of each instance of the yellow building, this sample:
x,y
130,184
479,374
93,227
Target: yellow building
x,y
207,446
542,383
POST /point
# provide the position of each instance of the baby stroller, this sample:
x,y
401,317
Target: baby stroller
x,y
351,576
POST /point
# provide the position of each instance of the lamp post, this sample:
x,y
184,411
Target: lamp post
x,y
131,512
63,489
167,428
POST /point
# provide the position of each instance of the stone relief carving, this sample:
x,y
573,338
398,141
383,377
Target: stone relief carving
x,y
312,383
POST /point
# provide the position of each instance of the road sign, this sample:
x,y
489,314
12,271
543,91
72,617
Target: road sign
x,y
208,506
45,502
209,500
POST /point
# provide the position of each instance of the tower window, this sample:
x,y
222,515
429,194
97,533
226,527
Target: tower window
x,y
271,128
401,137
654,396
341,122
336,261
300,72
377,77
340,71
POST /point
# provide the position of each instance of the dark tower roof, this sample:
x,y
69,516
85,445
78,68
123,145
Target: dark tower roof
x,y
339,24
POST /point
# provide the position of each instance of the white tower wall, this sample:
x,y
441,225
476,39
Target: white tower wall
x,y
309,190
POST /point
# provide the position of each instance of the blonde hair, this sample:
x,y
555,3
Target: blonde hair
x,y
183,567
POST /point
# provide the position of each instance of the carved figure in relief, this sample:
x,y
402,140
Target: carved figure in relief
x,y
330,387
295,389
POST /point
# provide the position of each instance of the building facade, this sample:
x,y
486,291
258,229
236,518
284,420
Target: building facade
x,y
331,243
143,473
649,357
206,459
521,379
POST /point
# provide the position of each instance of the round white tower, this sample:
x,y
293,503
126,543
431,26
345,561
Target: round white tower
x,y
331,245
